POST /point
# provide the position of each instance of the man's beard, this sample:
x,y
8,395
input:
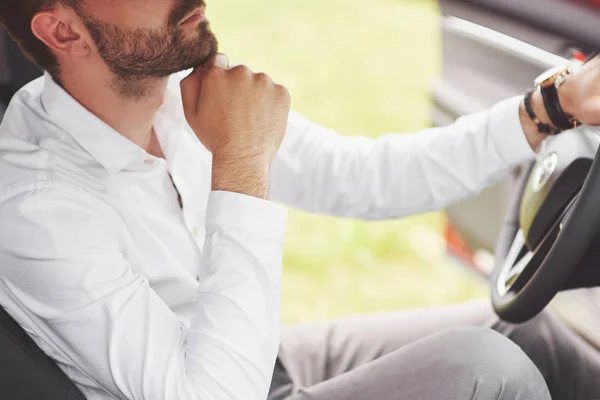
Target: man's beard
x,y
139,57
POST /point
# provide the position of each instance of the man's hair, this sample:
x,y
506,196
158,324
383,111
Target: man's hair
x,y
16,16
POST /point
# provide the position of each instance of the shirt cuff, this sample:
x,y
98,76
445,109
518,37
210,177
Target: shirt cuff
x,y
239,211
507,132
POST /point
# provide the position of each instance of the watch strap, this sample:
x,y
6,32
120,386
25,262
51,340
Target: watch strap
x,y
554,109
543,128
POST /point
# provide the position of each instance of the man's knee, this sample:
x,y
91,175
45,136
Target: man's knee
x,y
499,368
539,338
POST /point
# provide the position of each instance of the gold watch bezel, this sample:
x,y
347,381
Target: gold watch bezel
x,y
549,77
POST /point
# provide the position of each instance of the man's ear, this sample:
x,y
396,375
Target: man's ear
x,y
56,31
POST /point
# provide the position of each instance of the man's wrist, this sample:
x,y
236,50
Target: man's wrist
x,y
244,176
534,137
566,95
539,108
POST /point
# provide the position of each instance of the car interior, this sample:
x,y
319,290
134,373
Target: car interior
x,y
491,50
541,222
15,70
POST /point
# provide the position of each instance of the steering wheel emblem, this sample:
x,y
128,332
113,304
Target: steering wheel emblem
x,y
544,171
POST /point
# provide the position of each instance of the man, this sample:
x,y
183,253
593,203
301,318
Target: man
x,y
147,265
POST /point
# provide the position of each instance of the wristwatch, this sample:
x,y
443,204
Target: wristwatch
x,y
548,83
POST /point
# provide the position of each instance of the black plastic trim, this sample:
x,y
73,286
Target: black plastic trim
x,y
573,21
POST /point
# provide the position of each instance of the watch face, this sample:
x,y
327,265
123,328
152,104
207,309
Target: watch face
x,y
548,77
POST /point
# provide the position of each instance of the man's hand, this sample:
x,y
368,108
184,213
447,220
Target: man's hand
x,y
241,118
579,97
580,94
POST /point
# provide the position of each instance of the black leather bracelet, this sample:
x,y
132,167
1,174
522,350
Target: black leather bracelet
x,y
542,127
554,109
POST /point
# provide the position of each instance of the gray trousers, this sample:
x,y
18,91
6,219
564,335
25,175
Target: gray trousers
x,y
445,353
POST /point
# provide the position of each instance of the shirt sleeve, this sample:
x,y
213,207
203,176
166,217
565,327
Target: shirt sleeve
x,y
65,263
397,175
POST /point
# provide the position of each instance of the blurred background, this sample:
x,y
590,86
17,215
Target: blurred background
x,y
361,69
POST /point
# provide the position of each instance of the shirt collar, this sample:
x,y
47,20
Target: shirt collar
x,y
107,146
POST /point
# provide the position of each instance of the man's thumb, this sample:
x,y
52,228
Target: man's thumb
x,y
221,60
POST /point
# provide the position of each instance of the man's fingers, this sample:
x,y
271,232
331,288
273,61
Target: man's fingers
x,y
595,56
222,61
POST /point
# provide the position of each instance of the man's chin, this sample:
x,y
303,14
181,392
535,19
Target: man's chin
x,y
195,64
202,56
182,56
206,47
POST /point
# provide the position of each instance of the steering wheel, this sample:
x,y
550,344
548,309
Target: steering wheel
x,y
550,224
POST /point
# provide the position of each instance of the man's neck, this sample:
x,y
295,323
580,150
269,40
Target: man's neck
x,y
131,117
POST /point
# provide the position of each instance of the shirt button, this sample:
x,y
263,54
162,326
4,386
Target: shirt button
x,y
149,161
197,232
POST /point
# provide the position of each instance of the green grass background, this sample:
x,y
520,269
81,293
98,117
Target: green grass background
x,y
361,68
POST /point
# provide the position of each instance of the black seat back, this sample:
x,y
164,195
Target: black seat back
x,y
26,372
15,70
5,75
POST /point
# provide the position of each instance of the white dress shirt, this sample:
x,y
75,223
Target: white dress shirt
x,y
136,298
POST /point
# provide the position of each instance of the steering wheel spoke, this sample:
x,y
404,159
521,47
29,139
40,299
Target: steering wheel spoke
x,y
515,273
521,263
517,260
